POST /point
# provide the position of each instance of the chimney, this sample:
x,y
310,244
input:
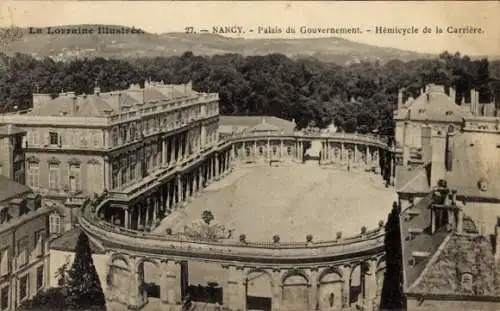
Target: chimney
x,y
400,99
40,100
426,143
438,155
453,94
449,150
406,148
73,105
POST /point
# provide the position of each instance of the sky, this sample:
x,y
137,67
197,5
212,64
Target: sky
x,y
175,16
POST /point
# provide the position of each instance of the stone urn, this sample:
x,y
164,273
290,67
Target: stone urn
x,y
309,238
243,238
339,235
276,238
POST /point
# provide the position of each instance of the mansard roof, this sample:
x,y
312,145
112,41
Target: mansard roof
x,y
433,105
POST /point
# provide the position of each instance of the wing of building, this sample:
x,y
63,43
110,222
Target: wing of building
x,y
449,193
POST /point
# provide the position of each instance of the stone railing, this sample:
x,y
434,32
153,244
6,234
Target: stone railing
x,y
341,136
367,241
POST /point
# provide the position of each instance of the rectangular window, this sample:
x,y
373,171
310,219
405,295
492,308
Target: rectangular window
x,y
22,252
33,174
54,138
74,177
4,298
114,176
23,287
40,243
55,224
4,262
39,278
53,176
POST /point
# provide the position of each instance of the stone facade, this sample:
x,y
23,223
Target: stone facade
x,y
79,145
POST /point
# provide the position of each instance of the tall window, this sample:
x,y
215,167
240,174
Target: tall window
x,y
23,287
33,174
53,176
114,137
4,262
4,298
54,138
74,177
40,243
114,175
35,137
54,223
22,252
39,278
123,175
132,170
4,215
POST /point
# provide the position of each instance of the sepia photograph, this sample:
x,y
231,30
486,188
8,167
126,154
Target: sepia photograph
x,y
249,156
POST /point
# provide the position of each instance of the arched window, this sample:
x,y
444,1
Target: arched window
x,y
467,282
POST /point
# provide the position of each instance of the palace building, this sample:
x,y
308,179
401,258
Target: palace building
x,y
24,229
433,107
79,145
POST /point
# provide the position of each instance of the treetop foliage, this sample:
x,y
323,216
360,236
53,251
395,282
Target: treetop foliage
x,y
357,97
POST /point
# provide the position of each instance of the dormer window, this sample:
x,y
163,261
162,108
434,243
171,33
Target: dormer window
x,y
483,185
448,113
467,282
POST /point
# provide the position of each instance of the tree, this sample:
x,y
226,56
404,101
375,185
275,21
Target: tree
x,y
84,289
207,217
392,295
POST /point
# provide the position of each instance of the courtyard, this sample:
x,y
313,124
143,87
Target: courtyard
x,y
290,201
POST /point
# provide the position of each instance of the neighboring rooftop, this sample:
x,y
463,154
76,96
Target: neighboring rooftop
x,y
458,256
101,104
67,242
10,188
432,105
256,123
413,179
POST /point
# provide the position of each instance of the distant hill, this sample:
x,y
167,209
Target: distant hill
x,y
77,45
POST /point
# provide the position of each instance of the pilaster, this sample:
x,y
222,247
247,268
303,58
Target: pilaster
x,y
234,296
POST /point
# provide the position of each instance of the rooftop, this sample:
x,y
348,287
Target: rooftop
x,y
67,242
257,123
101,104
433,105
413,180
10,188
435,263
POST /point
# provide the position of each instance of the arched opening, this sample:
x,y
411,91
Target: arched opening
x,y
150,279
381,266
118,279
355,287
259,291
330,291
295,293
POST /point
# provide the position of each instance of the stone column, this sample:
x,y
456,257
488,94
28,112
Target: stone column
x,y
255,150
127,218
356,154
268,149
170,288
107,173
164,152
135,295
313,289
217,166
277,291
155,208
346,273
368,155
234,296
179,189
370,285
281,149
193,184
